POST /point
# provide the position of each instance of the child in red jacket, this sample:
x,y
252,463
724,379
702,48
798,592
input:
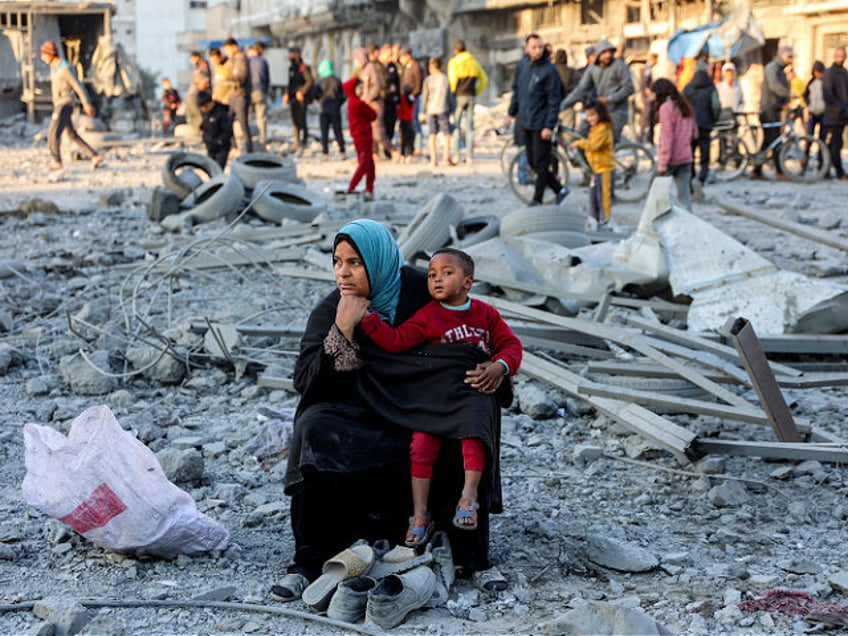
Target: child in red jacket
x,y
359,118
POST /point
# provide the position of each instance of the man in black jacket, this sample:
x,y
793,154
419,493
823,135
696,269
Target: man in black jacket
x,y
835,90
217,128
773,101
536,95
702,94
298,94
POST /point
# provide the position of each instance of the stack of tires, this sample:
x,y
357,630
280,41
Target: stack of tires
x,y
275,189
205,192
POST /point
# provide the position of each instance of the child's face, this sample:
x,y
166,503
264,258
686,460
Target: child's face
x,y
447,281
818,74
592,116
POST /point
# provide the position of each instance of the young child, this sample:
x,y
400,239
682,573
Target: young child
x,y
170,103
359,118
435,109
598,147
678,129
405,111
451,317
217,128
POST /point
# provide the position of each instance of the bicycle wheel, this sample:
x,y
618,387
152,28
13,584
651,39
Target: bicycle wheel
x,y
522,178
508,151
804,159
634,171
728,155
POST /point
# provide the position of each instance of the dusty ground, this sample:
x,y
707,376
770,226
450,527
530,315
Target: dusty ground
x,y
782,526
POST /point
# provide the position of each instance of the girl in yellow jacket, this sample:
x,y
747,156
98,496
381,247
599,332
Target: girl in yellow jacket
x,y
598,147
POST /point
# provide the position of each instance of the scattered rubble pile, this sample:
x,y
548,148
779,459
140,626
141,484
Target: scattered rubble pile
x,y
657,479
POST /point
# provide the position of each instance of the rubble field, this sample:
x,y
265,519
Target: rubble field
x,y
605,530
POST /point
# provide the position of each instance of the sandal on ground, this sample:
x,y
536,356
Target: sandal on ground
x,y
290,588
466,514
419,531
490,580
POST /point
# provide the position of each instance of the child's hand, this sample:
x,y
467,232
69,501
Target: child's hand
x,y
486,377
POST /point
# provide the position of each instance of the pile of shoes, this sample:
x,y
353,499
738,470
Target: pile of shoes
x,y
380,584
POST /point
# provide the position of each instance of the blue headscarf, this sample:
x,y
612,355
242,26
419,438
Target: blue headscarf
x,y
382,259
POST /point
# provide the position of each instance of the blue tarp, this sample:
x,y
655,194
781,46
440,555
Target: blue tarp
x,y
724,39
242,42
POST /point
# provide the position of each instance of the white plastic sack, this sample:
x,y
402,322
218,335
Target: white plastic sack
x,y
106,485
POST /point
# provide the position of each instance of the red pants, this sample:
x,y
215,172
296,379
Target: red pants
x,y
425,448
364,165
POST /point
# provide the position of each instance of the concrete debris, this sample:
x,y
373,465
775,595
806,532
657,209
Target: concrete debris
x,y
88,374
619,554
68,617
597,618
729,494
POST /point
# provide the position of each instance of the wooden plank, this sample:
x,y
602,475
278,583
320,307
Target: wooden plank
x,y
672,402
254,330
662,432
768,218
774,450
702,343
602,308
754,359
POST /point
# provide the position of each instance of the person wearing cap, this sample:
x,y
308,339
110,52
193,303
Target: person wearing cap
x,y
63,85
835,91
730,92
609,80
298,92
774,101
239,80
217,128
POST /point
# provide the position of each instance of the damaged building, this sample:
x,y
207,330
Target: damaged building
x,y
494,29
83,32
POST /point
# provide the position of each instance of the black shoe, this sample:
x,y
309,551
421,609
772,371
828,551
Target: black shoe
x,y
563,192
533,204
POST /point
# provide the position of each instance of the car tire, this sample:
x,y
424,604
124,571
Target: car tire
x,y
263,166
217,198
543,218
430,229
476,229
280,200
192,162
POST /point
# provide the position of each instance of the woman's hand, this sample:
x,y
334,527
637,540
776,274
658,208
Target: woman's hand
x,y
350,311
486,377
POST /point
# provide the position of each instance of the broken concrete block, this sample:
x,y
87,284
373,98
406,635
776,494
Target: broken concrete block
x,y
534,401
619,554
586,453
181,466
839,581
67,616
84,378
166,369
162,203
729,494
220,340
597,618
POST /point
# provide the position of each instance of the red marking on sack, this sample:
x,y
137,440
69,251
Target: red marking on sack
x,y
102,506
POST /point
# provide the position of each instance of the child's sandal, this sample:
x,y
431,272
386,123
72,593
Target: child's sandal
x,y
419,531
466,514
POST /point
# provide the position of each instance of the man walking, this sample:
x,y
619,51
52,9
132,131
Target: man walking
x,y
835,90
537,92
610,82
63,85
412,75
240,95
773,101
297,96
467,81
259,89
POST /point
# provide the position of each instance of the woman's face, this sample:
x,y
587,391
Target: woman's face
x,y
349,271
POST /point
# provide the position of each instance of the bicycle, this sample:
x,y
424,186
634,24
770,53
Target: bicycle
x,y
792,150
635,168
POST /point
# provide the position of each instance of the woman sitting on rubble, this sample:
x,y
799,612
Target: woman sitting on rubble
x,y
348,460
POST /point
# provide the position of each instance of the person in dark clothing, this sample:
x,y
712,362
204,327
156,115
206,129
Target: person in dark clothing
x,y
217,128
835,91
240,93
569,77
412,75
348,460
170,103
774,101
537,92
260,85
201,80
330,98
406,114
386,59
297,96
703,96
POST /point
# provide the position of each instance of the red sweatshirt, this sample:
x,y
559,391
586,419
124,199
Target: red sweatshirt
x,y
480,324
359,114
